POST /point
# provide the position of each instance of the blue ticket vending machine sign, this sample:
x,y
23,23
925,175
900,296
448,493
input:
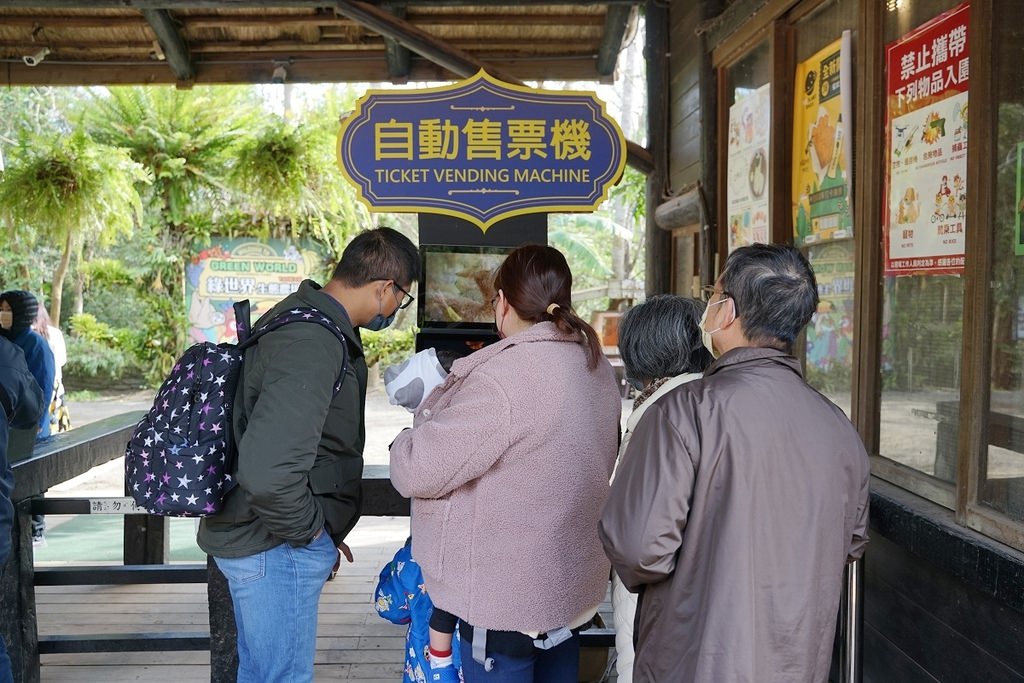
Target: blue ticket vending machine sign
x,y
481,149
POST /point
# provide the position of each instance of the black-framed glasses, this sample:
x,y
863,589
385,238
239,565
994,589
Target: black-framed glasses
x,y
407,298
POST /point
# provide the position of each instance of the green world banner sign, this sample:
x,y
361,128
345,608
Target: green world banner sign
x,y
481,150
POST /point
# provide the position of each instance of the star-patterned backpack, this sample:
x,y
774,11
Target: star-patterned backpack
x,y
180,459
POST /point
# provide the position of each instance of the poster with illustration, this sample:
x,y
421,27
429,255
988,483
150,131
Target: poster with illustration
x,y
822,146
926,122
747,168
1018,242
830,332
230,270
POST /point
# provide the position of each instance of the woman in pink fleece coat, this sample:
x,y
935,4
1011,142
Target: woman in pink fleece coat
x,y
508,465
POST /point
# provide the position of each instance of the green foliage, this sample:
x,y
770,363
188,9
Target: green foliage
x,y
95,349
606,246
279,168
93,358
836,380
156,342
922,337
186,138
35,111
389,346
85,326
57,183
81,395
147,347
577,244
107,271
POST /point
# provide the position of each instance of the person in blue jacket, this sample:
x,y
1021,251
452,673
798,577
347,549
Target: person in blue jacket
x,y
22,403
401,598
18,310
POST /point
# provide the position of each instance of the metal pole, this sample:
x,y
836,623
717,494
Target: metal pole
x,y
852,609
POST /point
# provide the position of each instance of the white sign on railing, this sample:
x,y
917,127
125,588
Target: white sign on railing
x,y
114,506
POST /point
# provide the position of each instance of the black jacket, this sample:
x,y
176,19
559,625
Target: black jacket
x,y
22,403
300,452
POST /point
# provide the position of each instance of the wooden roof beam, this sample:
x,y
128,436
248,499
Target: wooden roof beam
x,y
616,21
398,57
173,5
422,43
171,43
455,60
252,68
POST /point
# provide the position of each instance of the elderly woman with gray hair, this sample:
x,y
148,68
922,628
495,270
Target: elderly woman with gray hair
x,y
661,348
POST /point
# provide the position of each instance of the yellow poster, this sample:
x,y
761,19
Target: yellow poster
x,y
822,146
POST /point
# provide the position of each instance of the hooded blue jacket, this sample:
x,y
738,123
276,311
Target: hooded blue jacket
x,y
39,359
22,402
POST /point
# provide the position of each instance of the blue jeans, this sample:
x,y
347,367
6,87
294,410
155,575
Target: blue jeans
x,y
560,664
276,594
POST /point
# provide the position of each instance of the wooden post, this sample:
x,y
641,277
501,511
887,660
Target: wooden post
x,y
146,539
658,242
17,601
223,634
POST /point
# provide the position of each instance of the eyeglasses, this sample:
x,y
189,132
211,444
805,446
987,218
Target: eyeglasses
x,y
708,292
407,298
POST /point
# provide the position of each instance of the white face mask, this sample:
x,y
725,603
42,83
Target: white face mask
x,y
705,334
6,319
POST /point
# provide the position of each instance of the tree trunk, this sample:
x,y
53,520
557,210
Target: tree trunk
x,y
84,253
56,293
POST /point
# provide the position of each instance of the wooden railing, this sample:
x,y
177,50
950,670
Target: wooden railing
x,y
146,552
71,454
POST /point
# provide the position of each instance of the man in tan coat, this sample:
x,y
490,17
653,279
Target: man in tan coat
x,y
741,496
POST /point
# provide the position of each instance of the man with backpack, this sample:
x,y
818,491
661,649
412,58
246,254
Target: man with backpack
x,y
300,461
22,402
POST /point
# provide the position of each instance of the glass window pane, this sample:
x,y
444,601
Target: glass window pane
x,y
903,16
921,333
1002,471
829,337
749,135
828,357
748,73
824,26
922,314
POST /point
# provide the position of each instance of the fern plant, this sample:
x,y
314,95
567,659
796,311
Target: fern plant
x,y
65,188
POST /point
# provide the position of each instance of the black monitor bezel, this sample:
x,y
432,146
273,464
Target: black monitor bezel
x,y
421,299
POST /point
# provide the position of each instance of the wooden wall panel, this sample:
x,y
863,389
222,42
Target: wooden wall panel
x,y
684,99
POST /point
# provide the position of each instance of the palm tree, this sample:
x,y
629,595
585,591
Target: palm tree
x,y
66,189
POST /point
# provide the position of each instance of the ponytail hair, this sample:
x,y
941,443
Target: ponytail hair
x,y
537,283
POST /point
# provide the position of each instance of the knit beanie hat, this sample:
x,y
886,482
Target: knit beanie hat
x,y
24,308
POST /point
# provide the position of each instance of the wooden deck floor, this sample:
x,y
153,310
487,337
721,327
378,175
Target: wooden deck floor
x,y
353,644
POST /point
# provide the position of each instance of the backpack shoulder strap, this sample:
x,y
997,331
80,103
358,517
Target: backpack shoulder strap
x,y
242,326
306,314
